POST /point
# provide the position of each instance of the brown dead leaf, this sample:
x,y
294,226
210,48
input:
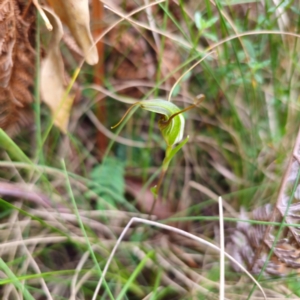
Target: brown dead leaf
x,y
17,57
131,54
52,78
162,210
75,14
170,61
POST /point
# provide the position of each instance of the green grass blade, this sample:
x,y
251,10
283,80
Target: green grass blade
x,y
15,280
83,229
12,148
135,273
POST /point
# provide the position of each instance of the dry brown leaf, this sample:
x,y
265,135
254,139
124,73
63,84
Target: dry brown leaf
x,y
75,14
16,64
131,55
53,90
162,210
170,61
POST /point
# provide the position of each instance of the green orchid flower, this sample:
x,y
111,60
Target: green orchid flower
x,y
171,125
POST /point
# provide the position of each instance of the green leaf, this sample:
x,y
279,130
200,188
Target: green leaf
x,y
154,191
110,176
198,20
170,153
186,76
201,23
211,22
176,90
210,36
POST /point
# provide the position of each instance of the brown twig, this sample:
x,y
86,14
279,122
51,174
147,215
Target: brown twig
x,y
97,14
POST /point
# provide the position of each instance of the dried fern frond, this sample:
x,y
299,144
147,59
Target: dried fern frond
x,y
17,58
7,41
247,239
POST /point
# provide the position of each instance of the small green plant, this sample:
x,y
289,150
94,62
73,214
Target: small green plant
x,y
171,125
99,173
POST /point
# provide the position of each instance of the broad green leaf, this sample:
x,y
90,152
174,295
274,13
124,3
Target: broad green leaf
x,y
110,176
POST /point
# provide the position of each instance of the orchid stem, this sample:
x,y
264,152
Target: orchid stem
x,y
165,166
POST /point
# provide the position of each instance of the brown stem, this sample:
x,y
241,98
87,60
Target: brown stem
x,y
97,17
160,180
126,113
197,101
24,14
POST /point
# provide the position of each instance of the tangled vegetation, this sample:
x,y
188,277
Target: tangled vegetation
x,y
194,196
